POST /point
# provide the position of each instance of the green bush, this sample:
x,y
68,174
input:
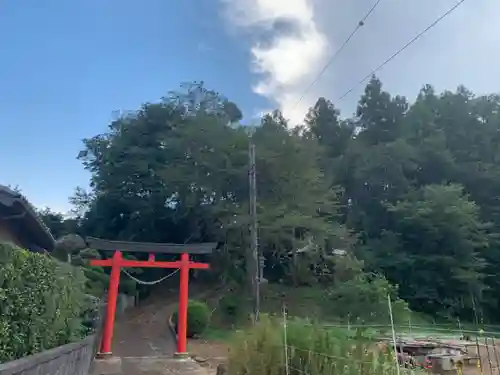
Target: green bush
x,y
198,318
348,300
97,277
310,349
233,308
42,301
343,302
230,306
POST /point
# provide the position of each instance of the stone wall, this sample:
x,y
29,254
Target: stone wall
x,y
71,359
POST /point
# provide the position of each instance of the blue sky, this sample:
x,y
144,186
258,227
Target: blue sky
x,y
67,65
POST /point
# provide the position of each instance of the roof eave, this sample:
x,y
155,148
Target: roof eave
x,y
41,232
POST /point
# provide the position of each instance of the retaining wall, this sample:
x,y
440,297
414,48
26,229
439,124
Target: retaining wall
x,y
71,359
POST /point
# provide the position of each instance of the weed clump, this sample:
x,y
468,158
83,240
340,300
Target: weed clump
x,y
307,348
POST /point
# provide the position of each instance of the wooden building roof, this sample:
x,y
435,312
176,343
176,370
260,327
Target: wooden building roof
x,y
15,209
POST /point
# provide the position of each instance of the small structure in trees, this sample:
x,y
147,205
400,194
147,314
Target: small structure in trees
x,y
117,262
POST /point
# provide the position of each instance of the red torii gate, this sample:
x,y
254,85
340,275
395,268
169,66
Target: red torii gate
x,y
117,262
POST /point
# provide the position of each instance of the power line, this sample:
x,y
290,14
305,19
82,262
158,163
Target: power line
x,y
418,36
337,52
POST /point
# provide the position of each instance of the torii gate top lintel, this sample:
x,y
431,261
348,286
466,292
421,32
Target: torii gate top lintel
x,y
118,261
150,247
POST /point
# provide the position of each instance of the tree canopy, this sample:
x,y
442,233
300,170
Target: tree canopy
x,y
409,190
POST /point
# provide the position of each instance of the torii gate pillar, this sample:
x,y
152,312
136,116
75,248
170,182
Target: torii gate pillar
x,y
183,305
109,322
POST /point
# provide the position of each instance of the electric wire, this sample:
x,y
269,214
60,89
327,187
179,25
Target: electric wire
x,y
393,56
337,52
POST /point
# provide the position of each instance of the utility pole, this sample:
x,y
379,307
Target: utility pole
x,y
254,264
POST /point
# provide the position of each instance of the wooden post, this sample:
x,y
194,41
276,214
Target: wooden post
x,y
183,305
114,281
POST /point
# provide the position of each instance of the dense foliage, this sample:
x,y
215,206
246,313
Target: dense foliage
x,y
42,303
71,248
409,191
309,349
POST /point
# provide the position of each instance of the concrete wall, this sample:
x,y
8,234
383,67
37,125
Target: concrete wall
x,y
71,359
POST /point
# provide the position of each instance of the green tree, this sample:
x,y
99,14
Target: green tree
x,y
58,224
407,188
324,123
434,251
379,115
297,206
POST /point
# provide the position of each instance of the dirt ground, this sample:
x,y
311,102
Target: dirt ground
x,y
143,344
143,331
208,354
490,361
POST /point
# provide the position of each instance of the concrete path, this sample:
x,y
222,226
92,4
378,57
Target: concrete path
x,y
139,339
144,345
148,366
143,332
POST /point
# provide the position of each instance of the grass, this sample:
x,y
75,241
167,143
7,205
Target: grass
x,y
218,334
427,330
317,349
310,349
226,335
311,302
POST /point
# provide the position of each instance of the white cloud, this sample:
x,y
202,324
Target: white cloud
x,y
462,49
261,112
286,63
